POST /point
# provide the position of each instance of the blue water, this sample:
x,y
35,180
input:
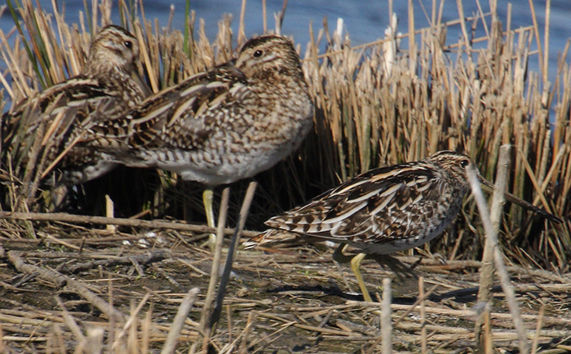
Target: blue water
x,y
365,21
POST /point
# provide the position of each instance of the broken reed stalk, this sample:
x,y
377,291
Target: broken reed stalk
x,y
70,284
498,260
178,321
386,325
487,269
206,310
225,278
153,224
423,344
539,324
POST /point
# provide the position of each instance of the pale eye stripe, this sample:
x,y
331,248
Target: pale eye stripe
x,y
180,110
153,113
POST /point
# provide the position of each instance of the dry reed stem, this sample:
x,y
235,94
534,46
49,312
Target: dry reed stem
x,y
487,270
434,96
206,311
114,221
179,319
498,260
386,326
225,278
423,346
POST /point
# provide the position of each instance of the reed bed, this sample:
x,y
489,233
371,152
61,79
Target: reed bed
x,y
398,99
123,289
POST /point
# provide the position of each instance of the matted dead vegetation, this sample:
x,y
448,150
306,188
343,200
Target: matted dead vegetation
x,y
67,281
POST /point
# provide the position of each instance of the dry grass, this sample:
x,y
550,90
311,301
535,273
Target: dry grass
x,y
281,301
375,106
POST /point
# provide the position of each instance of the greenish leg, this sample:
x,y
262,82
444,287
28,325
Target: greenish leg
x,y
340,257
355,264
207,199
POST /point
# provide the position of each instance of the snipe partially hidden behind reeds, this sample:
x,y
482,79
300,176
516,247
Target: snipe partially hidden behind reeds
x,y
383,211
39,133
219,126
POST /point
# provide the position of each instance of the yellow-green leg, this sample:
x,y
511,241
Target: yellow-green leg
x,y
340,257
207,200
355,264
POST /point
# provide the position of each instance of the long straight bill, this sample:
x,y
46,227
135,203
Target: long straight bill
x,y
489,187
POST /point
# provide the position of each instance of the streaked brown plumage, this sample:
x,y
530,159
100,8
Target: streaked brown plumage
x,y
385,210
108,86
220,126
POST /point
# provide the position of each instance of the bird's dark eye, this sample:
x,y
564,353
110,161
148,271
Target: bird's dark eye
x,y
464,163
258,53
128,44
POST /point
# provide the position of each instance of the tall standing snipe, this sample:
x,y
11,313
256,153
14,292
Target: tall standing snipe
x,y
222,125
383,211
40,132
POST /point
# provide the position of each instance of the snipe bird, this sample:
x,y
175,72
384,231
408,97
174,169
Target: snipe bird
x,y
383,211
40,132
219,126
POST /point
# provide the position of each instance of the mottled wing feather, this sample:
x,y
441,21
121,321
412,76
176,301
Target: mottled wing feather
x,y
65,107
180,116
378,206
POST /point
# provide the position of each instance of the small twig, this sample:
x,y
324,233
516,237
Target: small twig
x,y
154,224
56,278
131,321
537,330
71,323
147,258
279,17
62,280
178,322
252,316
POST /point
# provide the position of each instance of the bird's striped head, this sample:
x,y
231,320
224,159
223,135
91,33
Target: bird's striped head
x,y
112,48
267,55
455,163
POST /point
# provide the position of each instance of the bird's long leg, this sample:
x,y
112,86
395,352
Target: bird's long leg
x,y
355,264
355,261
207,200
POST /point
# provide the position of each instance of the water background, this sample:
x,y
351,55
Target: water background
x,y
364,20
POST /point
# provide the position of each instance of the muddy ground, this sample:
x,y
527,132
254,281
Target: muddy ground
x,y
294,300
